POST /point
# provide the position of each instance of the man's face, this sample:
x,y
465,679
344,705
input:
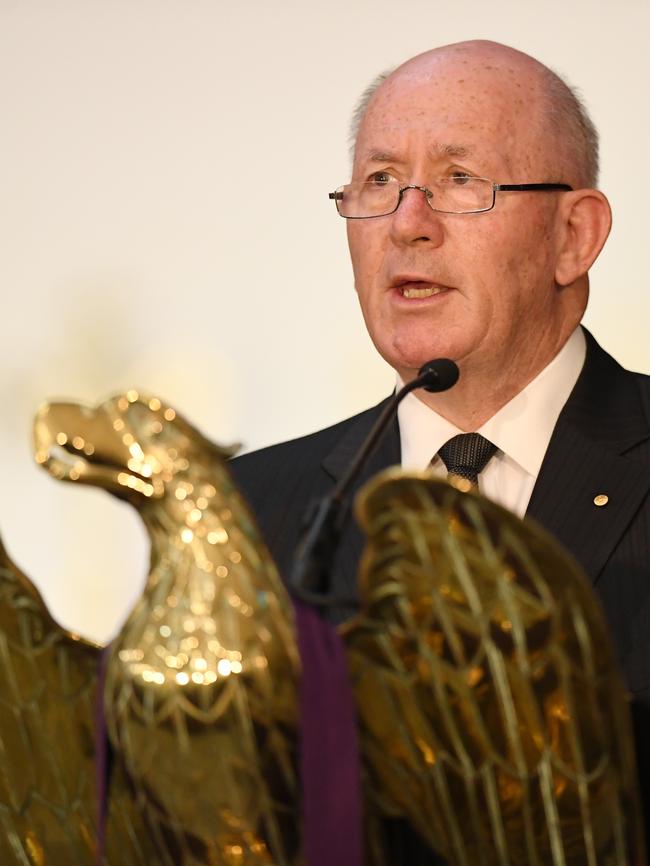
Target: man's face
x,y
477,288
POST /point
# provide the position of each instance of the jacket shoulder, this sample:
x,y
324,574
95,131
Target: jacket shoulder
x,y
296,454
281,482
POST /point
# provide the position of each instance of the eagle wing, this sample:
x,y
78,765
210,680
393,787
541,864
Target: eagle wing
x,y
48,686
493,717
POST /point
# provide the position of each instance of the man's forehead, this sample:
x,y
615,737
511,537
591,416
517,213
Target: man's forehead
x,y
452,92
472,78
454,114
475,59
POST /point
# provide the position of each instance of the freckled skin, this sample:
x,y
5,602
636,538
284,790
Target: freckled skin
x,y
505,316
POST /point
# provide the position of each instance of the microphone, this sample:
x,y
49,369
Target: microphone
x,y
324,520
439,375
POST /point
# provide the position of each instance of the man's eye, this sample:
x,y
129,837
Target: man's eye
x,y
380,178
459,179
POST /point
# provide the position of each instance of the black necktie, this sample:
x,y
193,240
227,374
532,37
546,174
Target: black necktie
x,y
466,456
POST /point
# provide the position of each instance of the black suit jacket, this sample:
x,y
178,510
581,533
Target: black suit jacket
x,y
600,445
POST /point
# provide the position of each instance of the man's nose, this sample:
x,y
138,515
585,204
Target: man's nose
x,y
415,221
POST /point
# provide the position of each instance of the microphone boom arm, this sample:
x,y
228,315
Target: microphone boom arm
x,y
324,520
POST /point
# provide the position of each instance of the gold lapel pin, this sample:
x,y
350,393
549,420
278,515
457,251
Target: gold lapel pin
x,y
601,499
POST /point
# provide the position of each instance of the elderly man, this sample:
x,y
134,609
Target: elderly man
x,y
472,222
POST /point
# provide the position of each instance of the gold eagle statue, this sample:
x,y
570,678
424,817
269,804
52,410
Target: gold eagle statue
x,y
490,711
201,684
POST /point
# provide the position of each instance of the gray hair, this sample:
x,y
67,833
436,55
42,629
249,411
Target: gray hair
x,y
362,105
566,114
571,123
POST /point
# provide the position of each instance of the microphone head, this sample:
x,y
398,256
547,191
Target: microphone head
x,y
439,374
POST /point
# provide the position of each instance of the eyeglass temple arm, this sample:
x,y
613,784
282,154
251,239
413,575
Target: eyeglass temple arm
x,y
531,187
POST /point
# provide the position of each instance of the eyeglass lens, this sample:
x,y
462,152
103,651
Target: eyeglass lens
x,y
451,195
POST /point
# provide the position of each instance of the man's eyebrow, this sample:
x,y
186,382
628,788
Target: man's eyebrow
x,y
382,156
461,151
457,150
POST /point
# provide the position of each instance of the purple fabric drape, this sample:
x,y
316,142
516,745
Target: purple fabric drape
x,y
329,751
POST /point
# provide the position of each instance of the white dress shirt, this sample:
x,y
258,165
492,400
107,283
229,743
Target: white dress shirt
x,y
521,430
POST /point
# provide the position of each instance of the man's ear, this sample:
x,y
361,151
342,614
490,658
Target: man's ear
x,y
586,221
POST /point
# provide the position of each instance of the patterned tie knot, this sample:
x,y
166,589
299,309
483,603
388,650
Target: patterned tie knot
x,y
466,456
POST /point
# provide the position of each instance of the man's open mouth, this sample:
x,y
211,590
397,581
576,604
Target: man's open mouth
x,y
413,289
421,291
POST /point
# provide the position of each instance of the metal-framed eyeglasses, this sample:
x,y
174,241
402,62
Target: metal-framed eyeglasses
x,y
456,195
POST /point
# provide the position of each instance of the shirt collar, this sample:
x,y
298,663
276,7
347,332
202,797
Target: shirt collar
x,y
521,429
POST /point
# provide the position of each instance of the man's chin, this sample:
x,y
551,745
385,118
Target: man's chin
x,y
409,348
408,364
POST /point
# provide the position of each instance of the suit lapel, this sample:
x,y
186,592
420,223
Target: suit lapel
x,y
346,449
576,471
602,421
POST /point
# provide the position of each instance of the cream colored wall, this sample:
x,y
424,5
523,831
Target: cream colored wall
x,y
164,166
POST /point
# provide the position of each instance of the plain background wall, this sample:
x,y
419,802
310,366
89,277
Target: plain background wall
x,y
164,224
